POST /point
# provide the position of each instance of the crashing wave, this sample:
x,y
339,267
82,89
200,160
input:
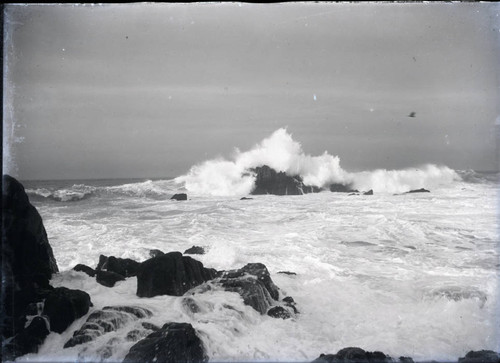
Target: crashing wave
x,y
220,177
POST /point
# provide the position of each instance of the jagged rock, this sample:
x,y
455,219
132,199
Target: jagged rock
x,y
174,342
279,312
180,196
27,258
171,274
125,267
269,181
63,306
254,284
481,356
195,250
109,319
354,355
341,188
421,190
86,269
370,192
155,253
28,340
108,278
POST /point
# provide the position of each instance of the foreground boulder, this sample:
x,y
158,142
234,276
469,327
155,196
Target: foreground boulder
x,y
109,319
180,196
254,284
108,278
357,355
63,306
121,266
27,341
195,250
27,258
481,356
171,274
269,181
85,269
174,342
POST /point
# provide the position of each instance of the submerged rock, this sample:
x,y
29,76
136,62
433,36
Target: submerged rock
x,y
174,342
27,258
171,274
279,312
109,319
421,190
180,196
195,250
481,356
246,198
63,306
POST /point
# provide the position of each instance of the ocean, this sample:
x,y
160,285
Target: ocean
x,y
406,274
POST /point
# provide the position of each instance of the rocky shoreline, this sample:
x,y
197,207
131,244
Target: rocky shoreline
x,y
32,308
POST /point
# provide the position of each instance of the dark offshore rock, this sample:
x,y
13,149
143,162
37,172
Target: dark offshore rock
x,y
84,268
341,188
108,278
63,306
354,355
254,284
174,342
370,192
171,274
27,258
287,273
180,196
421,190
269,181
122,266
290,303
195,250
481,356
109,319
279,312
28,340
245,198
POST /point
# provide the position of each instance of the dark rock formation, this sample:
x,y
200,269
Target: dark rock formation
x,y
195,250
254,284
289,302
125,267
109,319
370,192
28,340
63,306
354,355
287,273
246,198
171,274
269,181
341,188
279,312
421,190
155,253
180,196
27,258
174,342
481,356
84,268
108,278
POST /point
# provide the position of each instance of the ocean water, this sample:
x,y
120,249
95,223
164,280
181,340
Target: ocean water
x,y
407,274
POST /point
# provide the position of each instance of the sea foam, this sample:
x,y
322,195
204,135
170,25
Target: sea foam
x,y
221,177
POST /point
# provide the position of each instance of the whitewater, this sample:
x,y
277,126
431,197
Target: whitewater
x,y
407,274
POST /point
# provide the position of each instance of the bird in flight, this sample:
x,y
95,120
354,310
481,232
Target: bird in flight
x,y
412,114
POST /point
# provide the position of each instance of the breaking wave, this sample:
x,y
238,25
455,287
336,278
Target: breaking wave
x,y
221,177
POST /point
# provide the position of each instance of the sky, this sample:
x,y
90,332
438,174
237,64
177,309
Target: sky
x,y
148,90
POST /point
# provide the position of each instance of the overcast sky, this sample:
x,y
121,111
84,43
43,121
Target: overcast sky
x,y
147,90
